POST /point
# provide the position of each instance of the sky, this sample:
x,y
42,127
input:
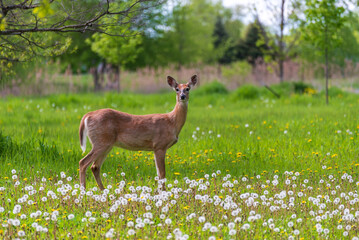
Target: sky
x,y
248,16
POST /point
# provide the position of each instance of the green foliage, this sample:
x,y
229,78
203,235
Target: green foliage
x,y
116,50
211,88
301,87
79,55
246,91
252,46
44,9
236,71
190,35
335,92
323,20
120,51
284,89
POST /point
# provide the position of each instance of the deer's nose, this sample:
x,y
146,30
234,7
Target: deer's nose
x,y
183,97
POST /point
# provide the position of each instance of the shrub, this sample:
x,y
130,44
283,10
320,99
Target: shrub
x,y
247,91
211,88
283,89
334,92
301,87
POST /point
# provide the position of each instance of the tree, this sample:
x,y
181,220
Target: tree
x,y
116,51
39,28
251,47
221,38
190,32
324,20
284,20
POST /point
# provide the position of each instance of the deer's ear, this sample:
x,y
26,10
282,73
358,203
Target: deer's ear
x,y
172,82
193,81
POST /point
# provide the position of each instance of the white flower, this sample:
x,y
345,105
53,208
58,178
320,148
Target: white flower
x,y
21,233
246,226
131,232
201,219
232,232
168,221
231,225
71,216
296,232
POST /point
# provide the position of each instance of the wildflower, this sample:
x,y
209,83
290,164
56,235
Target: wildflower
x,y
131,232
231,225
232,232
245,226
21,233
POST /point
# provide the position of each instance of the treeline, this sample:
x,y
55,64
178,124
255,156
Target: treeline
x,y
135,34
183,33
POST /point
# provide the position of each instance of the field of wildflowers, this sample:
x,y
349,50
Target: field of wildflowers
x,y
242,169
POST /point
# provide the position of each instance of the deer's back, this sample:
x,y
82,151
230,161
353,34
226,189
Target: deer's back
x,y
133,132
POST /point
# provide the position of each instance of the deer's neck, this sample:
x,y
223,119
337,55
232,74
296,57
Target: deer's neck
x,y
178,115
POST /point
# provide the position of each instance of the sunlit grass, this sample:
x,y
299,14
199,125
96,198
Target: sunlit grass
x,y
244,139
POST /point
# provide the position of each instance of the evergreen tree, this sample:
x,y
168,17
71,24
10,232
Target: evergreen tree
x,y
250,48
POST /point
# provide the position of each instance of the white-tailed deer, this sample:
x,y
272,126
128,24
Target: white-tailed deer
x,y
107,128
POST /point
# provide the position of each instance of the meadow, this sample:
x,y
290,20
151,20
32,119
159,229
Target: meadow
x,y
243,168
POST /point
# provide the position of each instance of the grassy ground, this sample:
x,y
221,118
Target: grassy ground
x,y
250,142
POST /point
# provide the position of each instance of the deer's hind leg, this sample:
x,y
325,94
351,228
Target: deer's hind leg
x,y
93,156
84,164
96,166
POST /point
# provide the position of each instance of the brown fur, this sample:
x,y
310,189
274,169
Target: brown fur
x,y
107,128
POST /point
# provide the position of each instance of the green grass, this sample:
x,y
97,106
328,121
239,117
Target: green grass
x,y
258,137
44,133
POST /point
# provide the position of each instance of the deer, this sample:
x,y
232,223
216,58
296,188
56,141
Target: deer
x,y
108,128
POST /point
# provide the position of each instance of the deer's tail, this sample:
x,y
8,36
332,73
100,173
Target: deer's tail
x,y
83,133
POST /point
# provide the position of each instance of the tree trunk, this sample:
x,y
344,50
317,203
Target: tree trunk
x,y
117,77
96,82
281,70
281,43
326,76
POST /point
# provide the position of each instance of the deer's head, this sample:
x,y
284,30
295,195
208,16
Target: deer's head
x,y
182,90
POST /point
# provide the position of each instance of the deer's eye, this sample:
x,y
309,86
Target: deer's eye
x,y
177,89
187,89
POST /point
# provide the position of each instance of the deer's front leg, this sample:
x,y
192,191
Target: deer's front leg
x,y
160,156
